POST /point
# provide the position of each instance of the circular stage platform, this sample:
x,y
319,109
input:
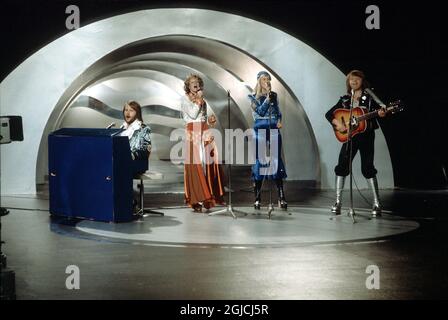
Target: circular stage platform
x,y
298,226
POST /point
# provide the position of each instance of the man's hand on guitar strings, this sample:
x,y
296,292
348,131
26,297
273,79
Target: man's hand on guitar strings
x,y
339,126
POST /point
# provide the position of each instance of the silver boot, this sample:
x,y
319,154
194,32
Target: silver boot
x,y
377,207
339,184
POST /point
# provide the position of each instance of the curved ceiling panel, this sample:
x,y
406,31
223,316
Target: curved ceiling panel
x,y
152,71
228,50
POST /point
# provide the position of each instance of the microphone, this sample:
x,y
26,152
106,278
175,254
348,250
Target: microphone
x,y
352,98
111,125
377,100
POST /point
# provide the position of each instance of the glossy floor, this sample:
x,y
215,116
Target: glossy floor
x,y
412,265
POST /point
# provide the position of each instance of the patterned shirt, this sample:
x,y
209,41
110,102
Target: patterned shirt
x,y
139,136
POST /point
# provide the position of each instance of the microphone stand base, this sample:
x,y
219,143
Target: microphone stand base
x,y
351,214
228,209
270,209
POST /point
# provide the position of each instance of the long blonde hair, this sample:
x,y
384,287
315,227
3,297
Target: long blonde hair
x,y
258,89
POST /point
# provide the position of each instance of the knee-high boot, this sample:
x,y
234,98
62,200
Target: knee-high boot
x,y
339,185
377,207
281,195
257,192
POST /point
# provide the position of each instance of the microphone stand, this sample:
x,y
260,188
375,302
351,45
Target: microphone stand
x,y
229,208
271,205
351,211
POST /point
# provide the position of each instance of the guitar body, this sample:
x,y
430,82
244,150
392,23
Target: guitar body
x,y
360,117
343,115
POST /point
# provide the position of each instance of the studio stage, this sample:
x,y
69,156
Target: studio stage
x,y
307,221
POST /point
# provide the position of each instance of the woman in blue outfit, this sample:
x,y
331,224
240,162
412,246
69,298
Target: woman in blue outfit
x,y
267,116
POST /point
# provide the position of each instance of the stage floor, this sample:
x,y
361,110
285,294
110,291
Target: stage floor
x,y
298,226
186,255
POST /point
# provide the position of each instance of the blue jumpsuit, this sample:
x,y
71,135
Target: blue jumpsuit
x,y
262,109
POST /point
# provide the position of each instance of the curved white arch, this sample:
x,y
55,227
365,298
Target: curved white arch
x,y
34,87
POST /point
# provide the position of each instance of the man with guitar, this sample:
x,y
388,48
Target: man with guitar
x,y
363,135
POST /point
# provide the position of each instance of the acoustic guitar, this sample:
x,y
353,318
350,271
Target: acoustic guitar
x,y
359,119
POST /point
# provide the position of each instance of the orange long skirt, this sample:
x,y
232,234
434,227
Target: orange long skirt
x,y
203,175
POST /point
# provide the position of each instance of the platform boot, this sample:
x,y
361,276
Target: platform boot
x,y
339,185
377,207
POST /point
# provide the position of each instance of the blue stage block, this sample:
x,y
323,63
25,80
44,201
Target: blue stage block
x,y
90,174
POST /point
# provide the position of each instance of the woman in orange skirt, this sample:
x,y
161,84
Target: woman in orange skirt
x,y
203,175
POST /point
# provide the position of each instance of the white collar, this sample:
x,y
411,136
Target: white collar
x,y
130,128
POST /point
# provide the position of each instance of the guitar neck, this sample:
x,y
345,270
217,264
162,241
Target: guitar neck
x,y
372,114
368,116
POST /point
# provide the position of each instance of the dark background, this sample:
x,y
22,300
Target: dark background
x,y
405,59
